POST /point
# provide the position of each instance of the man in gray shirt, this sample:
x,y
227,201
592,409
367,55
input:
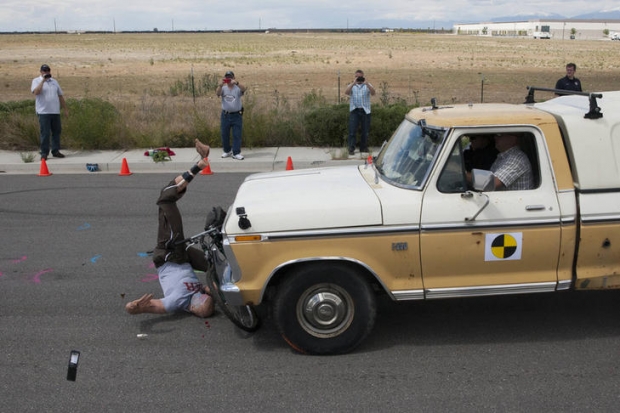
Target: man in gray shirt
x,y
230,90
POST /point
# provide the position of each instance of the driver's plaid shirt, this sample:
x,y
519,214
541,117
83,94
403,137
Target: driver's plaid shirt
x,y
513,168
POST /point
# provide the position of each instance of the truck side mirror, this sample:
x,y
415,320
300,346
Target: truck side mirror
x,y
482,181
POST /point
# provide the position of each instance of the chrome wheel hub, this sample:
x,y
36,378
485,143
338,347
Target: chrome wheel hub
x,y
325,310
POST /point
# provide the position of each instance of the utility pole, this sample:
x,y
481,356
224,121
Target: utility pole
x,y
338,87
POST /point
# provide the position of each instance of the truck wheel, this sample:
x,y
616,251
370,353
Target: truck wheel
x,y
325,309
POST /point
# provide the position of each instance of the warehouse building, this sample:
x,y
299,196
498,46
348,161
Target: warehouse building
x,y
539,28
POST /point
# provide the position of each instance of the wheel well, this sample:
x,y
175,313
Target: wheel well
x,y
284,272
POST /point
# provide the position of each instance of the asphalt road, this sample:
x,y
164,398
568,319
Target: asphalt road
x,y
73,253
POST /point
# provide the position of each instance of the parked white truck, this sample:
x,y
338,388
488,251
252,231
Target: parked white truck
x,y
319,245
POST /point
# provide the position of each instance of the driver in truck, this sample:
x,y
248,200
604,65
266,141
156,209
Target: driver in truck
x,y
174,262
512,168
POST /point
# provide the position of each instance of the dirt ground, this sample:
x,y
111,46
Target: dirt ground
x,y
278,66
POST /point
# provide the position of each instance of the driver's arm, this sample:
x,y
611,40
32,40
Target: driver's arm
x,y
499,185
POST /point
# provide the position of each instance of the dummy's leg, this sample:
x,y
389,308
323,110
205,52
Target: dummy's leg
x,y
186,177
197,259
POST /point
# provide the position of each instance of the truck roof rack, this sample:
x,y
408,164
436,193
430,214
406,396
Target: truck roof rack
x,y
593,113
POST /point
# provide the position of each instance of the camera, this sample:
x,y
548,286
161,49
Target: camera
x,y
47,76
361,79
227,80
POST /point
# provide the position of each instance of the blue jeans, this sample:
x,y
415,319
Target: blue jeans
x,y
49,124
358,118
234,122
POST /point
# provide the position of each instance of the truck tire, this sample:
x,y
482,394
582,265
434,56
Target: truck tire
x,y
324,308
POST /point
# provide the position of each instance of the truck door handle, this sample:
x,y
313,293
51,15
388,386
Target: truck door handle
x,y
470,194
534,207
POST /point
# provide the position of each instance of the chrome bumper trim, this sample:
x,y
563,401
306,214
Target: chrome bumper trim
x,y
232,294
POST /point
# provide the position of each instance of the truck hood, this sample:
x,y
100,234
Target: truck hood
x,y
335,197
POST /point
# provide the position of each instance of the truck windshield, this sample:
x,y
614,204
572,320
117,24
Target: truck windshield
x,y
408,156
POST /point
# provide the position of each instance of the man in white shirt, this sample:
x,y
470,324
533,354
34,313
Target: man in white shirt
x,y
48,101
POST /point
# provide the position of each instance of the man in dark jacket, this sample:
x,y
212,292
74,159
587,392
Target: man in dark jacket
x,y
569,82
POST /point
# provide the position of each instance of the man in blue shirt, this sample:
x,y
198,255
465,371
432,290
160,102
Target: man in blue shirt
x,y
359,92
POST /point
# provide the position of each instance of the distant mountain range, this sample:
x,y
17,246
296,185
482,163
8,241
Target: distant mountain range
x,y
448,24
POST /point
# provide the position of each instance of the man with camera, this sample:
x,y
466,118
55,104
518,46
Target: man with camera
x,y
48,101
230,90
359,111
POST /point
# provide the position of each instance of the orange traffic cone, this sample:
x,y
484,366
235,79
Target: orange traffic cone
x,y
125,168
289,164
369,160
43,171
207,169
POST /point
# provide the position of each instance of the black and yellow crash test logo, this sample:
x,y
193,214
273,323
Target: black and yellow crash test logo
x,y
503,247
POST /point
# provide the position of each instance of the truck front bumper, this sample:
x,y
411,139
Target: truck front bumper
x,y
231,292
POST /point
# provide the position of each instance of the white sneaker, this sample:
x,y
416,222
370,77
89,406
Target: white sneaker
x,y
238,157
226,154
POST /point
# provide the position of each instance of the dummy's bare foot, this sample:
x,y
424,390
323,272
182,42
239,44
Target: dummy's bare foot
x,y
139,306
202,149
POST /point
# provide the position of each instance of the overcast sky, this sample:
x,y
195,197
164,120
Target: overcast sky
x,y
119,15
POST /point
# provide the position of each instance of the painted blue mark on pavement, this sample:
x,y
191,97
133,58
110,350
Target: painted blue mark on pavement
x,y
95,258
86,225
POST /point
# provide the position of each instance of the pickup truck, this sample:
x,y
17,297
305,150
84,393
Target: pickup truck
x,y
317,246
541,35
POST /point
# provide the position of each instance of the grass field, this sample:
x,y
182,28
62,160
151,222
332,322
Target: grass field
x,y
138,76
414,67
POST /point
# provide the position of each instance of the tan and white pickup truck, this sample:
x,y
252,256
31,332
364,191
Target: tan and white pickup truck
x,y
319,245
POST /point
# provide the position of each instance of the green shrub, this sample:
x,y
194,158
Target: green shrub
x,y
384,121
19,126
22,106
329,126
97,124
93,124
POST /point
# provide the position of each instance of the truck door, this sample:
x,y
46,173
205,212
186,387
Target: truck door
x,y
489,243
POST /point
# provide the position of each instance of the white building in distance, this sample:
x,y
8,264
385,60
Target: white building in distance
x,y
590,29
